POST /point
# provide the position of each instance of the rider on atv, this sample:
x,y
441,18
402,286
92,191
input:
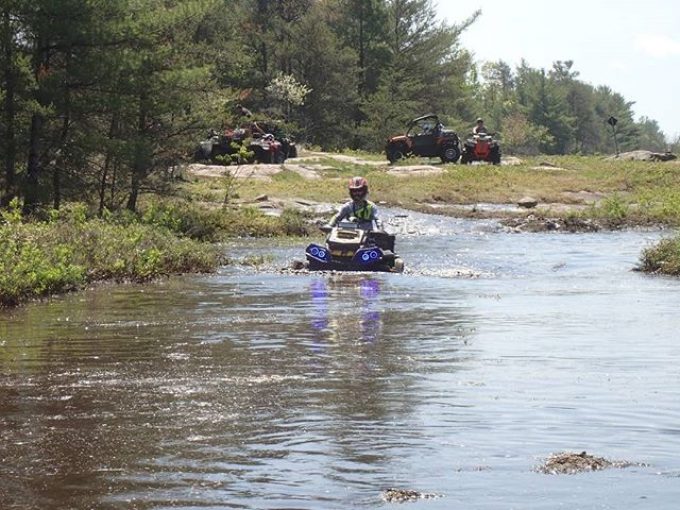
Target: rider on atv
x,y
359,207
480,127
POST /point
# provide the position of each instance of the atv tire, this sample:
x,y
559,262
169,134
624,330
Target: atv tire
x,y
495,157
450,154
279,157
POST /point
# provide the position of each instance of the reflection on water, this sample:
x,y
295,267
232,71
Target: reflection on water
x,y
266,390
367,320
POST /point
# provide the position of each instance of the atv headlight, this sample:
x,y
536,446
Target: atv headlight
x,y
368,255
318,253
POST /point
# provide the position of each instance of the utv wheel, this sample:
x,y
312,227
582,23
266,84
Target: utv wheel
x,y
394,154
450,154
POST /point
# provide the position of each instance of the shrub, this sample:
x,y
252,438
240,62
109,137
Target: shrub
x,y
662,258
68,251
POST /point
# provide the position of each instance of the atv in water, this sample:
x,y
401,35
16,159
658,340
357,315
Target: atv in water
x,y
425,136
481,147
350,248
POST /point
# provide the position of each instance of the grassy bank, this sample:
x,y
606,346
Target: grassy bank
x,y
68,250
621,192
211,221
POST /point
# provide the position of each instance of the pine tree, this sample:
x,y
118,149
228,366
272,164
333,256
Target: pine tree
x,y
546,107
612,104
162,84
329,70
426,71
651,137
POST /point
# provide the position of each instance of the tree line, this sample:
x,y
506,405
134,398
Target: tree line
x,y
102,99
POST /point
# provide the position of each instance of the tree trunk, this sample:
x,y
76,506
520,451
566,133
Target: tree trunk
x,y
107,166
59,160
9,114
139,166
102,184
33,168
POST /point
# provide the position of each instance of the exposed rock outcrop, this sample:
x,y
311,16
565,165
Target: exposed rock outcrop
x,y
641,155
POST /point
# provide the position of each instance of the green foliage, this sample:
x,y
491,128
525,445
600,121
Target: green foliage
x,y
214,224
520,136
329,70
555,113
651,137
614,208
115,96
293,223
662,258
42,258
242,155
12,215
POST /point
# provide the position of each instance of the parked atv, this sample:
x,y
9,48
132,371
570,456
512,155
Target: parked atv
x,y
350,248
288,146
216,144
481,147
425,136
266,148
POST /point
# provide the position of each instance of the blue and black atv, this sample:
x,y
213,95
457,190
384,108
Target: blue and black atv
x,y
350,248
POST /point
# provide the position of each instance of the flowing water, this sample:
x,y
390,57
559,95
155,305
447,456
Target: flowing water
x,y
262,389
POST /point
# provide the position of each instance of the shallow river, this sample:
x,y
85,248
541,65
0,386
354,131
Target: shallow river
x,y
260,389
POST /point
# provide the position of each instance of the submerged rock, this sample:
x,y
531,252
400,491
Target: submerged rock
x,y
569,463
405,495
297,265
533,223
